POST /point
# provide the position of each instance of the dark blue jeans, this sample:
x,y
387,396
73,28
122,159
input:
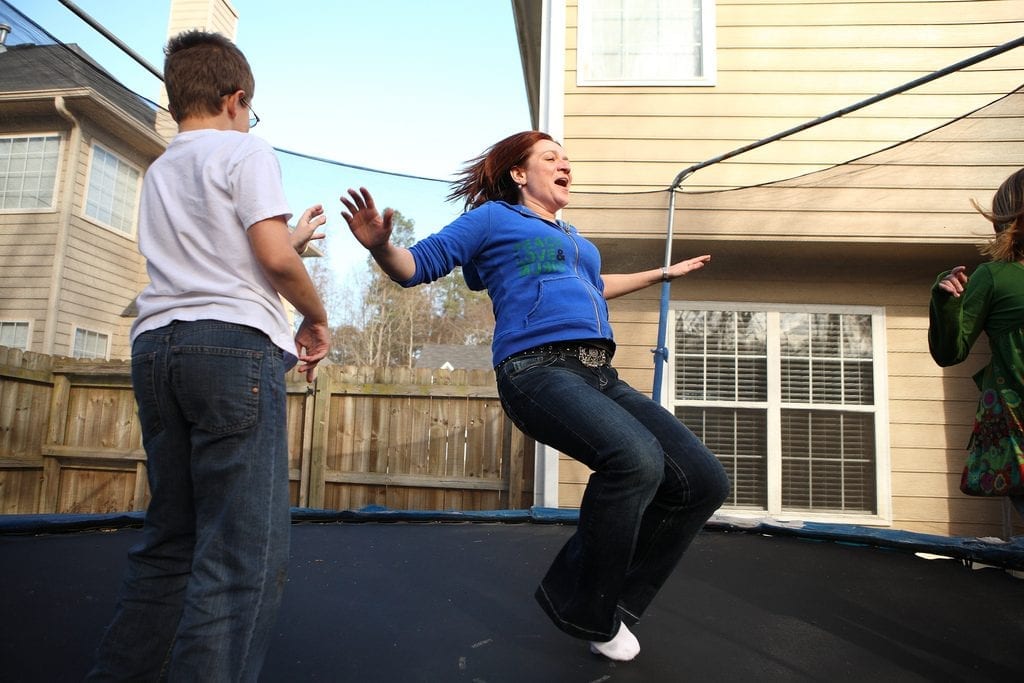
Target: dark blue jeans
x,y
203,586
654,485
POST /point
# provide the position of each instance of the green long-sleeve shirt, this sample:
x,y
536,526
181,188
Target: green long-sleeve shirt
x,y
993,302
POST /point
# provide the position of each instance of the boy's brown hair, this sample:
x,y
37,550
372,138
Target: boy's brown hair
x,y
199,70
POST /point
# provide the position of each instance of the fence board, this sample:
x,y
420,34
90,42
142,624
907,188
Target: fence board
x,y
70,439
437,448
20,487
317,439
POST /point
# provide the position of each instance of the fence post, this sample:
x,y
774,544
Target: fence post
x,y
56,433
318,439
305,444
141,486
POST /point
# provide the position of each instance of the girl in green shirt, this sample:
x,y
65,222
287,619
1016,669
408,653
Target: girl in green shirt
x,y
990,300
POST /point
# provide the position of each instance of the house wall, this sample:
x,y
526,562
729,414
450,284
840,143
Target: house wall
x,y
100,269
102,266
28,244
930,408
781,64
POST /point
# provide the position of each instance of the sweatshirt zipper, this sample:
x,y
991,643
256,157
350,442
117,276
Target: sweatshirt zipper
x,y
576,270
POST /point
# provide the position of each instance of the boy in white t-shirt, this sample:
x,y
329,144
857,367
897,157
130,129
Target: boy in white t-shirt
x,y
210,349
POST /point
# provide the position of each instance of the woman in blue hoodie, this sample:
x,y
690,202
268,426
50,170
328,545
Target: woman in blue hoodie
x,y
654,484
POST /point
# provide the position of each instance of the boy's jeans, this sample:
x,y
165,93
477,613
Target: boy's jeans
x,y
203,586
654,485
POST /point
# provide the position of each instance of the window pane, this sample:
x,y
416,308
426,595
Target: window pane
x,y
89,344
641,40
828,461
28,172
857,336
721,355
738,439
14,335
113,187
826,359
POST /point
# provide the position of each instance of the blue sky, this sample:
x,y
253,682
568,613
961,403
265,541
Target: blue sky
x,y
402,86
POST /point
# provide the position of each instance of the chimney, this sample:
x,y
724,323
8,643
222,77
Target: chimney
x,y
4,32
206,15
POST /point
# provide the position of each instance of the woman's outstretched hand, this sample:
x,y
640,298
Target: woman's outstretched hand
x,y
368,226
305,231
681,268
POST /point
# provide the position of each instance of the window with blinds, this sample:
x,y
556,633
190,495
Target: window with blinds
x,y
786,400
645,42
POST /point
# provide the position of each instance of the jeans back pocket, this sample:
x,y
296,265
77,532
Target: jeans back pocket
x,y
218,389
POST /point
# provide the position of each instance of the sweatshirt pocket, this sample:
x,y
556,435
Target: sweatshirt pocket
x,y
563,298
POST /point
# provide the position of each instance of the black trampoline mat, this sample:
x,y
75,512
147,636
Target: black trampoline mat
x,y
436,602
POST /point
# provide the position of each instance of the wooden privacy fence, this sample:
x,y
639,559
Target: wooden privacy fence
x,y
402,438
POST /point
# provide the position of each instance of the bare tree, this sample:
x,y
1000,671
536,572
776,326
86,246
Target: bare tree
x,y
376,322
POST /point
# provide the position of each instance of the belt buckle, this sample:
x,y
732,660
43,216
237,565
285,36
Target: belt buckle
x,y
592,356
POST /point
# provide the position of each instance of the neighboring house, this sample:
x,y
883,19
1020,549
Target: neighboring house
x,y
74,145
800,353
454,357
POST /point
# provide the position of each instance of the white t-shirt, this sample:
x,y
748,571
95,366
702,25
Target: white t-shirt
x,y
198,200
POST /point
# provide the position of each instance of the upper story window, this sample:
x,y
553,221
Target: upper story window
x,y
646,42
28,172
113,194
792,401
90,344
14,334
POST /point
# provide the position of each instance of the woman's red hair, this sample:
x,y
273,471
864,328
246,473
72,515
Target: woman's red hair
x,y
487,177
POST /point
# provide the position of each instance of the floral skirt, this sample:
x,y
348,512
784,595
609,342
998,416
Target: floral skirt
x,y
995,459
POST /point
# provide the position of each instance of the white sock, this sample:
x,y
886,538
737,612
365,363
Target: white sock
x,y
622,648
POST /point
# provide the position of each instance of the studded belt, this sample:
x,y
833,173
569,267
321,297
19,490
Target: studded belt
x,y
590,355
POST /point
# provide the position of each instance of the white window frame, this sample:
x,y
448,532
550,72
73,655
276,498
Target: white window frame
x,y
56,175
584,31
75,329
883,514
134,191
18,323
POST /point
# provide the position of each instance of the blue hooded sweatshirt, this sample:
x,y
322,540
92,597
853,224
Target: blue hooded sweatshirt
x,y
543,277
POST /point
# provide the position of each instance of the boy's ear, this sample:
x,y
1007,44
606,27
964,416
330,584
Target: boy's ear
x,y
232,103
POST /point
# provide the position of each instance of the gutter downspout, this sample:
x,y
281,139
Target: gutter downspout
x,y
551,119
67,197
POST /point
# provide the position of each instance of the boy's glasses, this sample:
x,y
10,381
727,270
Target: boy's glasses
x,y
253,118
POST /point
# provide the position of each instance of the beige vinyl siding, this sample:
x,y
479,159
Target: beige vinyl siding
x,y
101,267
101,272
94,297
919,190
780,64
26,259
